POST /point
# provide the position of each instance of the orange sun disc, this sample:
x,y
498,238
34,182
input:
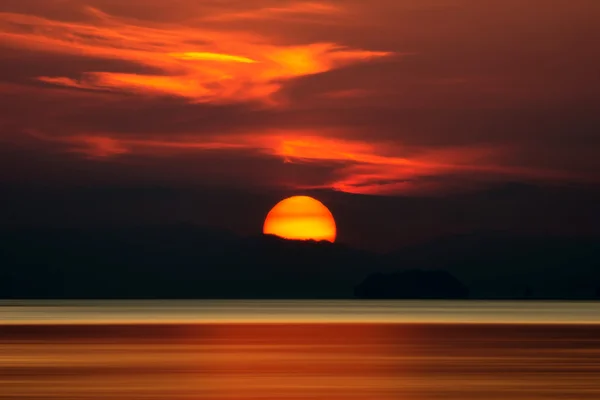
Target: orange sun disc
x,y
300,218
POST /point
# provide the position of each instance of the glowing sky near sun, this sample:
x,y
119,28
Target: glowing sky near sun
x,y
380,97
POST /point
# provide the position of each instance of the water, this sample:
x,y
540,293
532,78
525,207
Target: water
x,y
300,350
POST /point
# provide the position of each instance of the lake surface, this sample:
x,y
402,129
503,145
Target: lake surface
x,y
300,350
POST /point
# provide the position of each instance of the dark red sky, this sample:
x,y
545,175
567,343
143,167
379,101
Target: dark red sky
x,y
383,97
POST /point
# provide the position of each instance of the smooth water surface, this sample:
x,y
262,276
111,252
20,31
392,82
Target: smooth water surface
x,y
276,350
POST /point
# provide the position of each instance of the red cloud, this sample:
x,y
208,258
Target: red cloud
x,y
202,65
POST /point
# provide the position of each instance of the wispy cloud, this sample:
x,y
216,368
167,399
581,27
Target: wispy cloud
x,y
202,65
316,87
365,168
303,9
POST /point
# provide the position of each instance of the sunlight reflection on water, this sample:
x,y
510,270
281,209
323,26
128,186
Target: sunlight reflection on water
x,y
213,311
284,350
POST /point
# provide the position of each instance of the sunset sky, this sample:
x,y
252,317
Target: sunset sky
x,y
382,98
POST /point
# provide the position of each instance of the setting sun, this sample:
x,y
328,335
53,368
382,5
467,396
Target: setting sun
x,y
300,218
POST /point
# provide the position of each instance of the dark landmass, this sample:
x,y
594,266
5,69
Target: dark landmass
x,y
414,284
181,261
496,265
377,223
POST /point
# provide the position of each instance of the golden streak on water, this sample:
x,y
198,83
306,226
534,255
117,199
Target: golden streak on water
x,y
297,311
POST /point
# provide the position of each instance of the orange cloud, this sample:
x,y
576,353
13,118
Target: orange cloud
x,y
299,8
366,168
223,52
99,146
221,64
191,55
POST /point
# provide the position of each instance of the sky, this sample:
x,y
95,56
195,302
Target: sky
x,y
385,98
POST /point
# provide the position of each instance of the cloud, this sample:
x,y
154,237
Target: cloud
x,y
298,9
353,166
382,97
202,65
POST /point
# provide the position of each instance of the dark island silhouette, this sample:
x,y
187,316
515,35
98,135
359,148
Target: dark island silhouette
x,y
188,262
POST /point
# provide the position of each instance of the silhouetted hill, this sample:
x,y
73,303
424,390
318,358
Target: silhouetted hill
x,y
183,261
172,262
413,284
501,265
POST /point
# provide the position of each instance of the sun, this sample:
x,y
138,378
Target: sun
x,y
301,218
